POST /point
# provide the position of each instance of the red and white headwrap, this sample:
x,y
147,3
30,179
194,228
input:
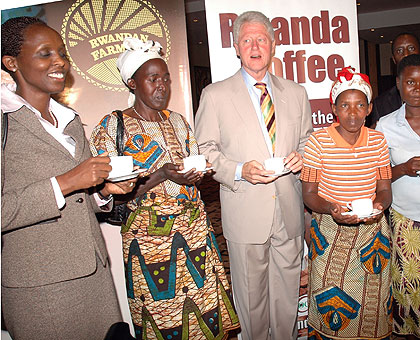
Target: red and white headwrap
x,y
347,79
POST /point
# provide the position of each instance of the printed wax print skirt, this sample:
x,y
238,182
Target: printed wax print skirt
x,y
176,284
349,283
405,269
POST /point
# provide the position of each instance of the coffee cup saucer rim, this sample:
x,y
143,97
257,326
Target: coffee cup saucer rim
x,y
285,171
373,213
124,177
185,171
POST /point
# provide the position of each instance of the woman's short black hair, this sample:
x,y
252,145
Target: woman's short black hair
x,y
12,35
410,60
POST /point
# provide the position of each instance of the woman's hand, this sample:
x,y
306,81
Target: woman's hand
x,y
208,166
412,167
91,172
337,211
119,188
375,218
170,171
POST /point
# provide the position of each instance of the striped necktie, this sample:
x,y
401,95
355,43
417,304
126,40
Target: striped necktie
x,y
267,109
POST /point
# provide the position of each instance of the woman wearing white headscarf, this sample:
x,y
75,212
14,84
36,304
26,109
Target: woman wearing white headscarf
x,y
176,285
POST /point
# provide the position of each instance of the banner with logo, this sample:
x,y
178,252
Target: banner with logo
x,y
93,32
314,39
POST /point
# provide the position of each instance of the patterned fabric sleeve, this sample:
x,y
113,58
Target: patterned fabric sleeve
x,y
383,170
103,137
311,170
191,145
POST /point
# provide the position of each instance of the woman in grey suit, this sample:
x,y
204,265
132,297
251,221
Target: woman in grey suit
x,y
56,282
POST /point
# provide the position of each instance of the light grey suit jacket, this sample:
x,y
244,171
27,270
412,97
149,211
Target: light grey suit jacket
x,y
228,132
40,243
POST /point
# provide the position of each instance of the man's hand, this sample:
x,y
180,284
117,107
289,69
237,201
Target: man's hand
x,y
254,173
294,162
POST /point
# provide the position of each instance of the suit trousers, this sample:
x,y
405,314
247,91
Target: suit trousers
x,y
79,309
265,283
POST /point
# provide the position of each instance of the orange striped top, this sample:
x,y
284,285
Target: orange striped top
x,y
345,172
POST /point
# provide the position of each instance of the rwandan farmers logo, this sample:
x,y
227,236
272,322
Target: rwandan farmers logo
x,y
94,30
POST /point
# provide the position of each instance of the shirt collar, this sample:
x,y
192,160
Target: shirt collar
x,y
341,142
250,81
400,117
11,102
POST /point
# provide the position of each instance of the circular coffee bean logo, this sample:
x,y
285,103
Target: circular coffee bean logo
x,y
94,31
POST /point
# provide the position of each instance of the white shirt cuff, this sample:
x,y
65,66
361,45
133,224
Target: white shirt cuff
x,y
238,172
105,205
59,198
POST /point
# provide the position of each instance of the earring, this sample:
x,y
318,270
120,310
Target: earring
x,y
131,83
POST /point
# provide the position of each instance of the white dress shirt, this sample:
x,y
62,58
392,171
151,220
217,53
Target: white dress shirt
x,y
255,95
403,143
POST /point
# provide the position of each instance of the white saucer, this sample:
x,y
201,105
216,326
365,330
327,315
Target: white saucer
x,y
131,175
285,171
205,170
374,213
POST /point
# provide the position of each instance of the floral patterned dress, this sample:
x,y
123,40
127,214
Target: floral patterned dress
x,y
405,269
176,284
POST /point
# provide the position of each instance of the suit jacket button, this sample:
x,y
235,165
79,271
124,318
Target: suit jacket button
x,y
79,200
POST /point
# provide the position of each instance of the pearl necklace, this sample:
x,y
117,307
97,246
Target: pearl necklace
x,y
144,119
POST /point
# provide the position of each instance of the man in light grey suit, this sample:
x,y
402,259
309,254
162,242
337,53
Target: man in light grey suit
x,y
262,214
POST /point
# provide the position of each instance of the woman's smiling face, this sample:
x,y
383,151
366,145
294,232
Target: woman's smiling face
x,y
42,63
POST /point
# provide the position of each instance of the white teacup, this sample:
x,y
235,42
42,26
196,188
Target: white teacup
x,y
275,164
121,165
361,207
197,161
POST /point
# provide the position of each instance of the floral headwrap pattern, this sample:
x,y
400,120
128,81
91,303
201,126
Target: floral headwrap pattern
x,y
348,79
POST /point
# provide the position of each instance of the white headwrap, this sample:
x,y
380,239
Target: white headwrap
x,y
136,54
347,79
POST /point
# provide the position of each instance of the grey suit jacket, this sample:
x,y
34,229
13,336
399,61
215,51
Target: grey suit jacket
x,y
228,132
42,244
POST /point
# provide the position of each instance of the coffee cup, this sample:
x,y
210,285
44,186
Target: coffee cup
x,y
121,165
197,161
361,207
275,164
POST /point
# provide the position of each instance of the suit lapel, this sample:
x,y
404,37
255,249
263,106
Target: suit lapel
x,y
31,122
245,109
78,134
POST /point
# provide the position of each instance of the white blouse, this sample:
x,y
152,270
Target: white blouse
x,y
403,143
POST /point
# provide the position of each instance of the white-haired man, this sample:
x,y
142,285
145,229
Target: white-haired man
x,y
241,121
